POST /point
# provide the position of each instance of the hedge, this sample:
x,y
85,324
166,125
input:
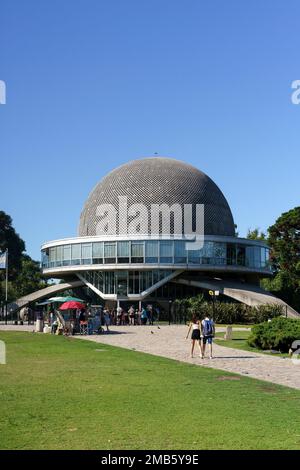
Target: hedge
x,y
277,334
226,312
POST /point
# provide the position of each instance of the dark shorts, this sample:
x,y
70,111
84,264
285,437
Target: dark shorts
x,y
196,334
207,339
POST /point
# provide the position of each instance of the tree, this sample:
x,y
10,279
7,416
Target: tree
x,y
256,234
196,304
24,274
190,306
29,278
284,241
10,240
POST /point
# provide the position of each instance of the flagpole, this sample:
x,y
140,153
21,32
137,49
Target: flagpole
x,y
6,285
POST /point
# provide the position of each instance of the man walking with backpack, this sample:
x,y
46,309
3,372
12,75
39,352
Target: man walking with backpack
x,y
208,332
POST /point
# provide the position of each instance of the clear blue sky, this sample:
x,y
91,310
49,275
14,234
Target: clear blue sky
x,y
92,84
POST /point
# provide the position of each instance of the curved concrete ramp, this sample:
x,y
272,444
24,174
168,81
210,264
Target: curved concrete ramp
x,y
42,294
246,293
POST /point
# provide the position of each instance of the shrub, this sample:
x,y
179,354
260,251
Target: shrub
x,y
241,313
263,313
226,312
277,334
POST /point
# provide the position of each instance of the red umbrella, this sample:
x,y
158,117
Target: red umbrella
x,y
71,305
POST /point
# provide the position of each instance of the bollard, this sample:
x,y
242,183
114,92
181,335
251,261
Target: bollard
x,y
39,325
228,333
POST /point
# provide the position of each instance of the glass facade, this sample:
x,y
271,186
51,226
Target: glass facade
x,y
97,253
152,251
86,250
124,282
172,252
66,255
76,253
166,251
137,252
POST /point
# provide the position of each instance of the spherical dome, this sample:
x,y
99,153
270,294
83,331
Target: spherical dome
x,y
159,180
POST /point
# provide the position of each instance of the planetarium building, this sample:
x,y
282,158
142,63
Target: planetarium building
x,y
157,229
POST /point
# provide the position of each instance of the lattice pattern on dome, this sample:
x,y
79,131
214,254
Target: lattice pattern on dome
x,y
159,181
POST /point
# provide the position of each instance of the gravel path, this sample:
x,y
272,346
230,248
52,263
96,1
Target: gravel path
x,y
17,327
169,341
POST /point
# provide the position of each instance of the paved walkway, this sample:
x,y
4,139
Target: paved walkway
x,y
169,341
26,327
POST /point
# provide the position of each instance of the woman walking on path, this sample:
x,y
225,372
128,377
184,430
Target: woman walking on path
x,y
195,325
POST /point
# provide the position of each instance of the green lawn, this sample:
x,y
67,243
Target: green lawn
x,y
64,393
239,341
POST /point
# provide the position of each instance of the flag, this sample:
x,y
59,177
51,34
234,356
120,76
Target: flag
x,y
3,260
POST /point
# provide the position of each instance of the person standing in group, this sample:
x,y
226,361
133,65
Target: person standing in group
x,y
51,317
119,315
111,317
131,315
208,333
125,317
82,315
54,325
138,314
157,312
150,314
144,316
106,317
196,335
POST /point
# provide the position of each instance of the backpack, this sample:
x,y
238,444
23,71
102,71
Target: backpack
x,y
207,328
